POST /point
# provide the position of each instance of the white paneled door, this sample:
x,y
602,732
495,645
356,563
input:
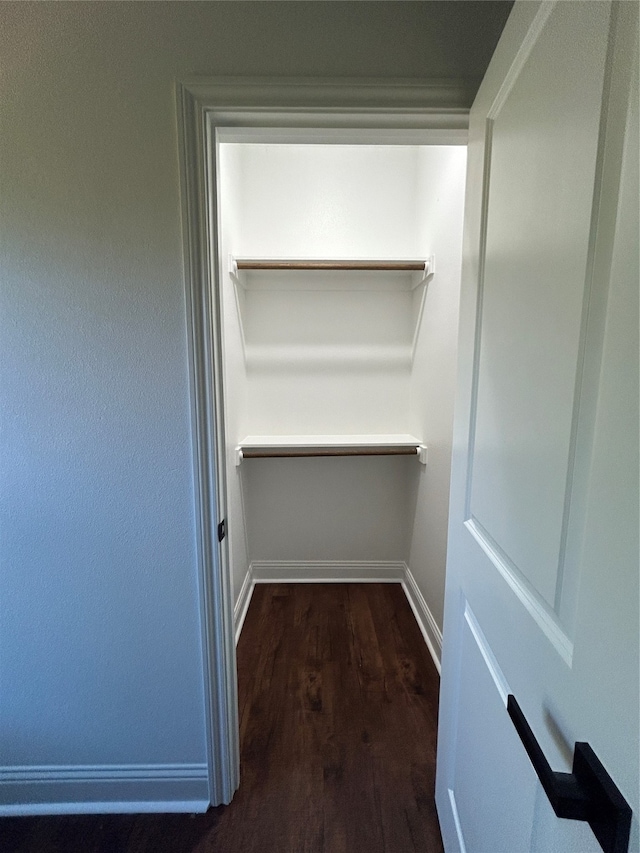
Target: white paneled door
x,y
542,591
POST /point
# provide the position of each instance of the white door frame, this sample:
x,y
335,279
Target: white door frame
x,y
276,110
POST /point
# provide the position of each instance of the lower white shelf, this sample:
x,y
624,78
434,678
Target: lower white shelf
x,y
291,446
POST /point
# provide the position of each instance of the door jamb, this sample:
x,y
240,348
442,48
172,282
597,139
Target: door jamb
x,y
281,109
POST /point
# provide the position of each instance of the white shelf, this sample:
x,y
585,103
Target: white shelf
x,y
274,446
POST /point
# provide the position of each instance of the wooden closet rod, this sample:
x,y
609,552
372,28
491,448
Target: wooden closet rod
x,y
281,453
388,266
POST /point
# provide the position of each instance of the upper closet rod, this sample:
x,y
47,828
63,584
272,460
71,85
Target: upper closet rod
x,y
371,266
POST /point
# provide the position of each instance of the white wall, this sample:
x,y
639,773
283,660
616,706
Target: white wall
x,y
339,510
325,354
328,201
100,637
328,362
320,358
441,186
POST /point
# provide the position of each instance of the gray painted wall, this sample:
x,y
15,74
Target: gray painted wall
x,y
100,657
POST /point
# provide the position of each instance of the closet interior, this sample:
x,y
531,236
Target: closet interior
x,y
339,282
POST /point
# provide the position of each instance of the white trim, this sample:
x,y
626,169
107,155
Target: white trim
x,y
101,772
447,95
327,571
252,107
106,807
532,601
424,617
197,184
488,656
345,136
52,789
242,604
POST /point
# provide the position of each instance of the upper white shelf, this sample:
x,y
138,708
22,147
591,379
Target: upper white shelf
x,y
264,272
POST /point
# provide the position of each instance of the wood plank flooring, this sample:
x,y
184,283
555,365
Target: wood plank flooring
x,y
338,706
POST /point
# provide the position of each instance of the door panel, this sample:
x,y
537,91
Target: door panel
x,y
542,576
536,253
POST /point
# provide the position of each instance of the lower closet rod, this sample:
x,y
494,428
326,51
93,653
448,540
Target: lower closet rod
x,y
279,453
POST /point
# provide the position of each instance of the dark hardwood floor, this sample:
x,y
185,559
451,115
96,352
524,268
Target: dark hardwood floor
x,y
338,705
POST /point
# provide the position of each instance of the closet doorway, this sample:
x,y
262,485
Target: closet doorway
x,y
340,362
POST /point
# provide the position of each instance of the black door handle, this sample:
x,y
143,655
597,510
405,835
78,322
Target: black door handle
x,y
587,793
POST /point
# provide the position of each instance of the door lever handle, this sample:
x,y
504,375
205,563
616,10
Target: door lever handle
x,y
587,793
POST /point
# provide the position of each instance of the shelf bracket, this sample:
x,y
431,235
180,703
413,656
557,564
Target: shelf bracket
x,y
426,272
430,266
233,266
423,454
239,456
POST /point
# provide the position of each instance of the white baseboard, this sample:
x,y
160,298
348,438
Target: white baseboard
x,y
242,604
103,789
424,617
327,571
